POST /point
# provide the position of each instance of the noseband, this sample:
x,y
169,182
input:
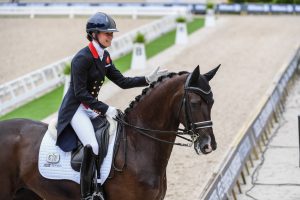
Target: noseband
x,y
191,128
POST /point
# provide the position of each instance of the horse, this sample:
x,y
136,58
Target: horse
x,y
150,127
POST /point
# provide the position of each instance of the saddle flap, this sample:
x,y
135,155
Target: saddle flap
x,y
76,158
99,122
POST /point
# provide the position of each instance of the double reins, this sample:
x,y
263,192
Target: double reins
x,y
144,131
190,126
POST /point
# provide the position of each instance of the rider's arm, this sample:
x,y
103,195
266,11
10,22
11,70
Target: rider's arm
x,y
115,76
123,82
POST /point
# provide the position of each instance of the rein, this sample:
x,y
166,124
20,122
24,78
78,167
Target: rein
x,y
144,131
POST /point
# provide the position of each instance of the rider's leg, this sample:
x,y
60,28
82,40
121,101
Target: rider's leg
x,y
87,173
84,129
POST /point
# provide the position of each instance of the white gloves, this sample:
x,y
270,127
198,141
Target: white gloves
x,y
155,75
111,112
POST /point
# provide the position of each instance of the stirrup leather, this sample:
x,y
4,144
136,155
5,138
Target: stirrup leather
x,y
87,198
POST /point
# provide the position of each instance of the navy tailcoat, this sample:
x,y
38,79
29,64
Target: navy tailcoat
x,y
87,76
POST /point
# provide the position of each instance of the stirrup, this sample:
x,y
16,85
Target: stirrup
x,y
98,196
87,198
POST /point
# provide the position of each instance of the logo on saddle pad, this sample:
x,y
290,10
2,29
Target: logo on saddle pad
x,y
53,158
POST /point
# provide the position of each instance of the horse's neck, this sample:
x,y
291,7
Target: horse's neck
x,y
158,111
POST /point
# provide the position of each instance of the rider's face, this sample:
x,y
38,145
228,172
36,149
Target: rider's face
x,y
105,38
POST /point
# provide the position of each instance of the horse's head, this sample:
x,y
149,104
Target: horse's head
x,y
196,106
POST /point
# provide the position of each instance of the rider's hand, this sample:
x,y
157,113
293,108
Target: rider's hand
x,y
111,112
155,75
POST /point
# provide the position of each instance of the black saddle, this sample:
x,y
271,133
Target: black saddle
x,y
101,127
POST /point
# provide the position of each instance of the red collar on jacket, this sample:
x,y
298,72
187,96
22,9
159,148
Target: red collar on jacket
x,y
93,50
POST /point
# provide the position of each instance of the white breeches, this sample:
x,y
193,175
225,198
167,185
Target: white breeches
x,y
82,125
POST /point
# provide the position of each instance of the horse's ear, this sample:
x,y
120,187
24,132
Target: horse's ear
x,y
195,75
209,75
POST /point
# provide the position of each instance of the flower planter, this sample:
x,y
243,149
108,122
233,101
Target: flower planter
x,y
210,20
138,56
181,34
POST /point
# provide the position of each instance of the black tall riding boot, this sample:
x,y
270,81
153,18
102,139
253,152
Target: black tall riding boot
x,y
87,173
99,195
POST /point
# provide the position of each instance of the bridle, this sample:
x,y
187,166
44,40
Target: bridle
x,y
191,127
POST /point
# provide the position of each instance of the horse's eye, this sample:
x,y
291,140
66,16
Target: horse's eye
x,y
195,102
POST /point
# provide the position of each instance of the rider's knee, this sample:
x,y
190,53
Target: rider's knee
x,y
95,148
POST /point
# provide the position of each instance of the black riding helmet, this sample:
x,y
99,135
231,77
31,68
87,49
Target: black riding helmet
x,y
101,22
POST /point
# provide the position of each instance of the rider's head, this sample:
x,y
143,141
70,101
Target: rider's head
x,y
100,27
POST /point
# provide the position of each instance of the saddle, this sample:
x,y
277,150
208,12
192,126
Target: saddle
x,y
101,128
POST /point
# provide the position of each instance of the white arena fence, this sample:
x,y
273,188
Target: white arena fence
x,y
257,8
134,11
251,138
31,86
36,83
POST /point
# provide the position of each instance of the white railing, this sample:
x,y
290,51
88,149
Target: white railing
x,y
30,86
34,84
72,11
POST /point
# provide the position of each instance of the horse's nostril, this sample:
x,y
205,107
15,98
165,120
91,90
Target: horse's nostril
x,y
207,148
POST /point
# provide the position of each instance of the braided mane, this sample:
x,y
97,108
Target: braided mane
x,y
144,91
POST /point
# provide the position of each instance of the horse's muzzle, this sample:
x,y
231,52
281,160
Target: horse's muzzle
x,y
204,145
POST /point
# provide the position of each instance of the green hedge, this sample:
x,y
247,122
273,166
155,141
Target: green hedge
x,y
39,108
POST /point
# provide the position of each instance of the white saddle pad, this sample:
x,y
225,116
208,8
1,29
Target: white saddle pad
x,y
56,164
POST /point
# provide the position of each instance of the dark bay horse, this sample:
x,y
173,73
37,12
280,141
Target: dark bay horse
x,y
151,123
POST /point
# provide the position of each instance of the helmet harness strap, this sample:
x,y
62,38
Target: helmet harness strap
x,y
96,38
